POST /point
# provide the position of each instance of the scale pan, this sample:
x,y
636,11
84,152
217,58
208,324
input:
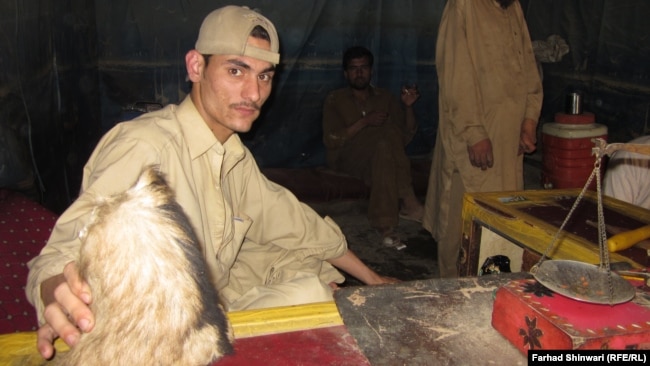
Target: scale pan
x,y
583,282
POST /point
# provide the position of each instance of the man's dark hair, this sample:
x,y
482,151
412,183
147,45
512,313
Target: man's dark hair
x,y
357,52
257,32
261,33
505,3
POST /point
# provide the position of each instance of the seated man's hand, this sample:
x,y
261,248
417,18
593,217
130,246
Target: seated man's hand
x,y
376,118
410,95
66,298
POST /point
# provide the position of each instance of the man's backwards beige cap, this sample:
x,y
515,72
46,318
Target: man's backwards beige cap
x,y
225,31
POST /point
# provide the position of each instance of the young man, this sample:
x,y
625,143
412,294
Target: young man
x,y
262,247
365,131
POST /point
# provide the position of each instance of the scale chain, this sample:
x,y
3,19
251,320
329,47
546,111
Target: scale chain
x,y
602,233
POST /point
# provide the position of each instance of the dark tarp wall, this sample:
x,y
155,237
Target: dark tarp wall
x,y
49,100
609,59
141,58
71,69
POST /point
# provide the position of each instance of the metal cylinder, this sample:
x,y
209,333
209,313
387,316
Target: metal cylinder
x,y
573,103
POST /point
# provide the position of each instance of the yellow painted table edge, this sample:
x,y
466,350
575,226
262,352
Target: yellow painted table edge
x,y
251,323
20,348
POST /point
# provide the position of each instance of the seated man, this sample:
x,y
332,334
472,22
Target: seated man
x,y
262,247
627,177
365,131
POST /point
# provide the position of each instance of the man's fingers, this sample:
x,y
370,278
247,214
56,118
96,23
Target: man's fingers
x,y
77,305
72,308
77,285
45,340
472,157
485,161
490,159
480,154
526,147
390,280
528,137
67,313
62,324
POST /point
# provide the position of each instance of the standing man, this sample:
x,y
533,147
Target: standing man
x,y
490,101
262,247
365,131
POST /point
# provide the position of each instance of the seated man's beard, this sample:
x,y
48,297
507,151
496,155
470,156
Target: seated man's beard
x,y
505,3
359,84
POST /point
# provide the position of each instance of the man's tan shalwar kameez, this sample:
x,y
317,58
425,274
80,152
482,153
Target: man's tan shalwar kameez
x,y
376,154
489,83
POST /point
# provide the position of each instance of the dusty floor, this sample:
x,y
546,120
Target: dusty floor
x,y
418,259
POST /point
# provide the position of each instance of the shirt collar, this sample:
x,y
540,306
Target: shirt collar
x,y
198,136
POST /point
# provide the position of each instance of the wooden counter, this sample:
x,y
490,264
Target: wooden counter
x,y
530,219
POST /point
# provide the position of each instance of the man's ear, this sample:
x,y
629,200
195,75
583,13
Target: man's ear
x,y
194,62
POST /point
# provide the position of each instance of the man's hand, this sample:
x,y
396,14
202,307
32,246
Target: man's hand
x,y
527,136
410,95
480,154
376,280
66,298
351,264
383,280
376,118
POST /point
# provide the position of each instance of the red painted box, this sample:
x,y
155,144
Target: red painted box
x,y
532,317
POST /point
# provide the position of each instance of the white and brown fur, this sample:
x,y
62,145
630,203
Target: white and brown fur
x,y
152,300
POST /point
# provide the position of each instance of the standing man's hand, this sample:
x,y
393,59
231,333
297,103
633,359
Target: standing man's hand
x,y
527,136
480,154
67,313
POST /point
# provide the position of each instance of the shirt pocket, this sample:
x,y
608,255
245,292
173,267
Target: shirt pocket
x,y
229,249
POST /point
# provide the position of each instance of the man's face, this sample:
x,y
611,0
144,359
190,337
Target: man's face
x,y
231,90
358,73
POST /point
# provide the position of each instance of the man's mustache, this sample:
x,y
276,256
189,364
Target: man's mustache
x,y
254,106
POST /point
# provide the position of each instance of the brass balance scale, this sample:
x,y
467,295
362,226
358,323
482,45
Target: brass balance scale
x,y
583,281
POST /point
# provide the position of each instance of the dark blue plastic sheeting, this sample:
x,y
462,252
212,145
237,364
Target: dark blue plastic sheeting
x,y
71,69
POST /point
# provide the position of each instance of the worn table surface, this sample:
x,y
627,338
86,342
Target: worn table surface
x,y
429,322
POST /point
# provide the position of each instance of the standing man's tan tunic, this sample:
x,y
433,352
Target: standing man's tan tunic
x,y
489,84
